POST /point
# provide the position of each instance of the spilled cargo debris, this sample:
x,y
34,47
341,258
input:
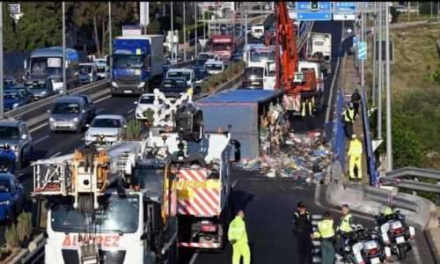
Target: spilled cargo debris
x,y
286,154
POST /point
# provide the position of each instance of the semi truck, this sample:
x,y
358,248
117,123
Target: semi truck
x,y
137,64
223,46
319,49
47,64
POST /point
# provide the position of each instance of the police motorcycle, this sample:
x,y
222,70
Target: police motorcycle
x,y
364,247
395,233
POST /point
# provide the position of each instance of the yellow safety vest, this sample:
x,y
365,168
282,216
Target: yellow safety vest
x,y
325,229
349,114
310,105
237,231
355,148
345,224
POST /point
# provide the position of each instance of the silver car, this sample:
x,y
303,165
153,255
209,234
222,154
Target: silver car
x,y
16,134
68,114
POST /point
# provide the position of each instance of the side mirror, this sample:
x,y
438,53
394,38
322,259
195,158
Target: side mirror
x,y
125,126
135,102
87,125
144,236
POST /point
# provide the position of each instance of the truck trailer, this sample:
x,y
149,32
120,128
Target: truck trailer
x,y
319,49
137,64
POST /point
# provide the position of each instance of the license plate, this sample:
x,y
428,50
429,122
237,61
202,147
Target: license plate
x,y
255,83
400,240
375,261
128,91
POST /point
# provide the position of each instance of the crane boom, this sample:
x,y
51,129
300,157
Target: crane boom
x,y
297,84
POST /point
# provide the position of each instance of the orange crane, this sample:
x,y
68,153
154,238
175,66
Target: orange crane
x,y
297,85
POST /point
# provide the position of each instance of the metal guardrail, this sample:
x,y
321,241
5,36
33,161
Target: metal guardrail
x,y
409,178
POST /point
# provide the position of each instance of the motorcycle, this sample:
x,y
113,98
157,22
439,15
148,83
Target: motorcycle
x,y
399,236
369,250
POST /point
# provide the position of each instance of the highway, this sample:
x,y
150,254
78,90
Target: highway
x,y
268,203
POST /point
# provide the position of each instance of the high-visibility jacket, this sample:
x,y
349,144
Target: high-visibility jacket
x,y
325,229
355,148
306,105
346,224
348,115
237,230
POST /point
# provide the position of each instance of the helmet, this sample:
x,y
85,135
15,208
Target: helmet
x,y
353,136
386,211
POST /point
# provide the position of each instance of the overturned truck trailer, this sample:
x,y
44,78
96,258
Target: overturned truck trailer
x,y
242,109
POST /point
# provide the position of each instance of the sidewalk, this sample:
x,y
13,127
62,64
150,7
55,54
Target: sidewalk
x,y
349,81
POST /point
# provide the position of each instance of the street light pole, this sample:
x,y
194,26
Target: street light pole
x,y
388,80
172,33
380,74
373,89
245,30
110,37
184,32
363,40
64,49
1,61
195,29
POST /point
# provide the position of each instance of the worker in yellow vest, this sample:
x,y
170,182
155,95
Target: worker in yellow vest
x,y
355,154
348,115
327,234
307,107
238,237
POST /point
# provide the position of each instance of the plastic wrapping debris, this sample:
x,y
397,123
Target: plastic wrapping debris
x,y
289,155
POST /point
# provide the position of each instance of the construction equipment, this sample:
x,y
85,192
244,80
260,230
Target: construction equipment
x,y
298,85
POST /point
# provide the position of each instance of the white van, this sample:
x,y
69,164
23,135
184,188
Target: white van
x,y
269,77
214,66
187,74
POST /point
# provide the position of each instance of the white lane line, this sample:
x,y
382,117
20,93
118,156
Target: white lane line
x,y
43,138
58,153
102,99
234,183
416,253
38,127
130,111
194,257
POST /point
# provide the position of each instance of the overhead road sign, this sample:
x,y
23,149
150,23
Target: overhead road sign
x,y
314,11
344,11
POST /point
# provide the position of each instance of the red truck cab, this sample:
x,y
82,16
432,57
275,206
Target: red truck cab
x,y
223,46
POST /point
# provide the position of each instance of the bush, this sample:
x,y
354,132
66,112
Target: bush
x,y
133,130
215,80
24,226
11,235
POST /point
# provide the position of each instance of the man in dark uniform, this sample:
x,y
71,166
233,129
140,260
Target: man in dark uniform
x,y
356,101
304,231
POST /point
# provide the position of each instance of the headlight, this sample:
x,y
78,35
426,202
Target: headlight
x,y
75,119
51,119
15,105
5,202
43,93
115,84
141,85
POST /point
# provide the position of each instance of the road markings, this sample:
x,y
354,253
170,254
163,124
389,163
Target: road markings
x,y
234,183
103,99
38,127
58,153
194,257
130,111
416,252
41,139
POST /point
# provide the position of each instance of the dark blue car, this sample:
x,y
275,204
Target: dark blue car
x,y
12,99
11,196
9,82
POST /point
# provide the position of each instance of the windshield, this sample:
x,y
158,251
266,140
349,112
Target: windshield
x,y
147,99
8,82
173,84
221,46
101,69
11,95
85,69
4,186
271,72
115,215
216,67
66,108
206,57
10,133
35,85
128,61
106,122
256,71
200,63
179,74
262,56
46,66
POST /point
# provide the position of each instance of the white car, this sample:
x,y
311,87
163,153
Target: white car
x,y
146,101
187,74
214,67
105,129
